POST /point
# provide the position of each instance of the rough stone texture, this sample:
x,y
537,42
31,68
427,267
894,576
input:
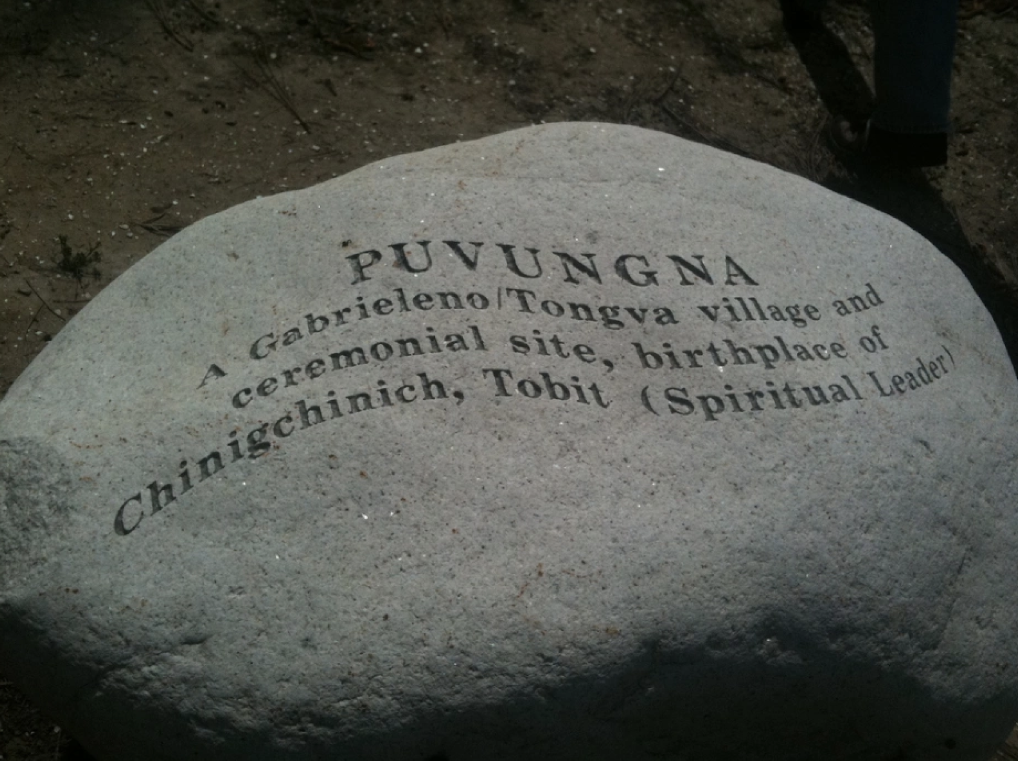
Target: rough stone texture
x,y
684,562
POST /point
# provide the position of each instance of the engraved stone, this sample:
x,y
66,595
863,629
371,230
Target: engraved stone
x,y
577,442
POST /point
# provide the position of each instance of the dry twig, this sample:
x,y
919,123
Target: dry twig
x,y
207,17
270,83
44,304
158,8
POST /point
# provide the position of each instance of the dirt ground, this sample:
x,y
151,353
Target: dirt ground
x,y
123,121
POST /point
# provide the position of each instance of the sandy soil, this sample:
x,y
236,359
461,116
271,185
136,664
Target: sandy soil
x,y
123,122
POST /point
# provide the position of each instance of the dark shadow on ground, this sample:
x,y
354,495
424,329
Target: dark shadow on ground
x,y
74,752
839,84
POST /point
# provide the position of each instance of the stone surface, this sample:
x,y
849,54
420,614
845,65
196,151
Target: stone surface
x,y
650,452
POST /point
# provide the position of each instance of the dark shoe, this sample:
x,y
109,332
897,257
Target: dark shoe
x,y
873,145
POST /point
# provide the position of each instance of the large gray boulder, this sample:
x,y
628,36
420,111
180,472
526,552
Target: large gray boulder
x,y
577,442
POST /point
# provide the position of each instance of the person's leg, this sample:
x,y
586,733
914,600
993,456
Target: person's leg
x,y
912,64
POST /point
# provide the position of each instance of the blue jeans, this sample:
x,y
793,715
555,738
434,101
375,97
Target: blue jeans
x,y
912,64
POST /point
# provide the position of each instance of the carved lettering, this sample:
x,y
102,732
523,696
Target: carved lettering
x,y
701,341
